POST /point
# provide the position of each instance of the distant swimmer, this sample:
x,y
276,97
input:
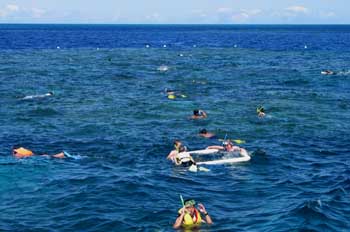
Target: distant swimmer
x,y
227,145
204,133
260,111
328,72
49,94
21,152
198,114
163,68
172,94
191,216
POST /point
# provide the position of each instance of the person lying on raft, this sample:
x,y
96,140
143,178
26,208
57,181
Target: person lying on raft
x,y
189,215
179,156
198,114
226,146
38,96
204,133
24,153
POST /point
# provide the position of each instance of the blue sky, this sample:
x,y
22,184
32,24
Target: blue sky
x,y
179,11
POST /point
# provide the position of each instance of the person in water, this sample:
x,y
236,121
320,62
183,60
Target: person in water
x,y
328,72
198,114
189,215
204,133
21,152
261,112
49,94
226,146
179,155
172,94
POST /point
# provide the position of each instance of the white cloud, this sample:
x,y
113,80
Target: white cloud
x,y
37,13
329,14
298,9
153,17
244,15
9,10
224,10
12,11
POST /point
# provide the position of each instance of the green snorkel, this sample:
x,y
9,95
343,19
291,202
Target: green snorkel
x,y
182,201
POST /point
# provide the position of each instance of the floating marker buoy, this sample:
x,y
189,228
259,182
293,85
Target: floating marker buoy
x,y
235,45
305,47
147,46
164,46
194,46
171,96
58,47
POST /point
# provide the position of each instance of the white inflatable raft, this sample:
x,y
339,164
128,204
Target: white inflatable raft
x,y
243,158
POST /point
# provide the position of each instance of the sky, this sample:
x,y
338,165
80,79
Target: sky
x,y
176,12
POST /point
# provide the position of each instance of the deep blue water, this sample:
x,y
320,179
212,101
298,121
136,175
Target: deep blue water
x,y
108,107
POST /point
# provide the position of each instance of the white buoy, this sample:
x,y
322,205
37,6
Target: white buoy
x,y
164,46
194,46
97,49
147,46
305,47
235,45
181,54
58,47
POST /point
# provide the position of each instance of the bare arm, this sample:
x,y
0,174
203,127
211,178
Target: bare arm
x,y
179,219
172,155
204,211
216,147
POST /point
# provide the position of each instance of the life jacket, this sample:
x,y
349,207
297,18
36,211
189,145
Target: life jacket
x,y
183,157
22,152
188,220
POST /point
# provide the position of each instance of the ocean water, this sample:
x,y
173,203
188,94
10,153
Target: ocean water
x,y
109,108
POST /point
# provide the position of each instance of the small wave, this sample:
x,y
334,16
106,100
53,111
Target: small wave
x,y
43,112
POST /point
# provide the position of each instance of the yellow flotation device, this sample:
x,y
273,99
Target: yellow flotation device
x,y
22,152
171,96
188,220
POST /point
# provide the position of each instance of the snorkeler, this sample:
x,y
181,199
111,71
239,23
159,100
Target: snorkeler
x,y
260,111
21,152
227,145
204,133
179,155
172,94
189,215
198,114
38,96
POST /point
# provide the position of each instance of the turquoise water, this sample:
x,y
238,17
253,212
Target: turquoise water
x,y
109,107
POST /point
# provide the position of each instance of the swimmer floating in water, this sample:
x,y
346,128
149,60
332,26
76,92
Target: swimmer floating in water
x,y
172,94
179,155
38,96
227,146
204,133
189,215
261,112
21,152
327,72
198,114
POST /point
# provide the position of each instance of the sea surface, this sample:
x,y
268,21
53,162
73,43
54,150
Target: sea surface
x,y
110,112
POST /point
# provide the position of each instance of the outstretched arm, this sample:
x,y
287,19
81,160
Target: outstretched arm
x,y
216,147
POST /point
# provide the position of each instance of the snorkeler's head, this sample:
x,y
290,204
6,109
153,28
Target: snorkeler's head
x,y
203,131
